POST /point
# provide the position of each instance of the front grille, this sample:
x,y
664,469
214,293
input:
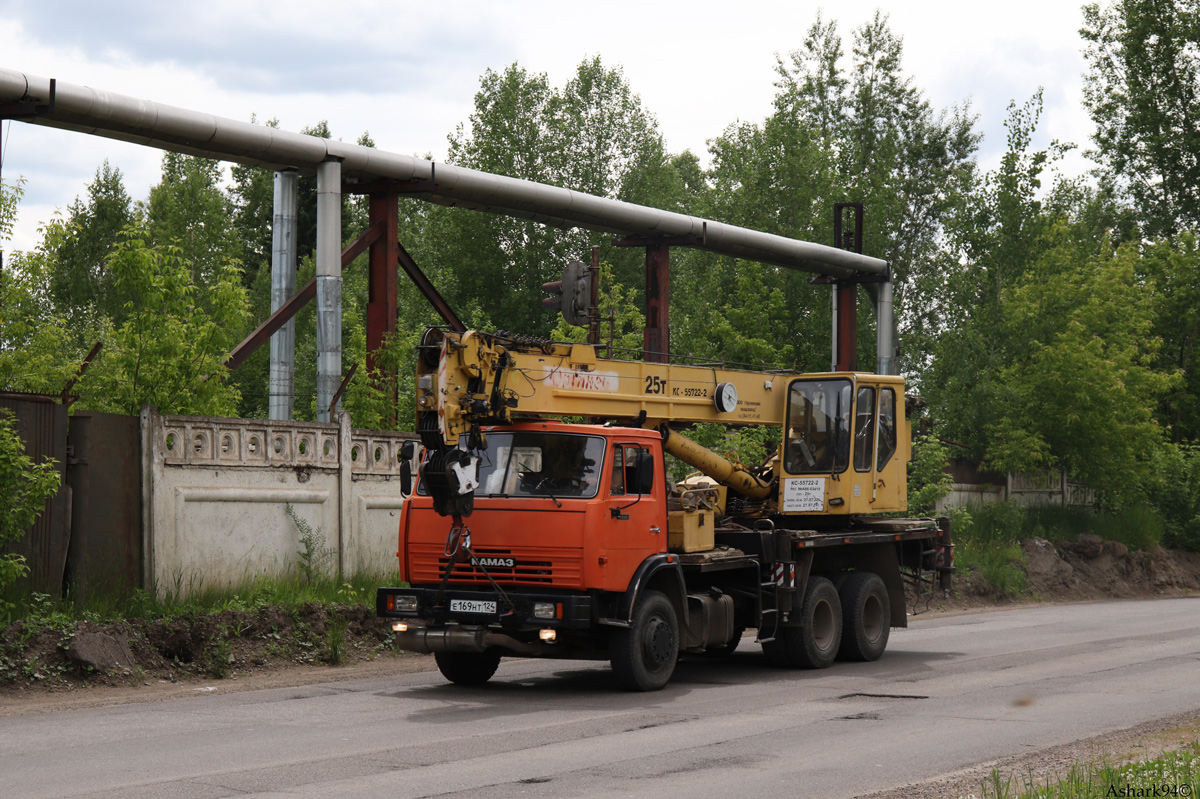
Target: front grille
x,y
531,566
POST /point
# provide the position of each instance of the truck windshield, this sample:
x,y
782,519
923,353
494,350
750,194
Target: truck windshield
x,y
534,464
818,427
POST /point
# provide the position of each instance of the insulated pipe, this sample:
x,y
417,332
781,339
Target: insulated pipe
x,y
283,286
886,348
329,284
87,110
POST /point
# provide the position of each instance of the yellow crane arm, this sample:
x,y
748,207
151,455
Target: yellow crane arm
x,y
487,379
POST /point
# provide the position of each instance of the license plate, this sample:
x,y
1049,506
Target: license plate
x,y
472,606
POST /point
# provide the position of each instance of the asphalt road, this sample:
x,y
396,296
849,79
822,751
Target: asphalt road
x,y
950,692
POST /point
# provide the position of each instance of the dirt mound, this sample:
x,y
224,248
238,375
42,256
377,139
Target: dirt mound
x,y
1090,568
59,654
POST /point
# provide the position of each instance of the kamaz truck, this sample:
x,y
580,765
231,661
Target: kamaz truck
x,y
542,521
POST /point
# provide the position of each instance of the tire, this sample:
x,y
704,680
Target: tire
x,y
468,668
866,617
815,643
644,655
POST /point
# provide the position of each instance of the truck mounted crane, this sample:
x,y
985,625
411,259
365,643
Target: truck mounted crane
x,y
580,546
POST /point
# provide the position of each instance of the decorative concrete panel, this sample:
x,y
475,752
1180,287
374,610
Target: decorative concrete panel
x,y
216,494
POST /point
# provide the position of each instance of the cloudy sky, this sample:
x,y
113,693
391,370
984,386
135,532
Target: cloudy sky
x,y
407,71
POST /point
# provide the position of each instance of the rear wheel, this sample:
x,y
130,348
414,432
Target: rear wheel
x,y
814,644
468,668
866,617
644,655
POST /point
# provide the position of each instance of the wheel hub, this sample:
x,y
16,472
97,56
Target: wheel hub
x,y
658,643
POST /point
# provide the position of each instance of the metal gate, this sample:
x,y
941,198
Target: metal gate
x,y
42,424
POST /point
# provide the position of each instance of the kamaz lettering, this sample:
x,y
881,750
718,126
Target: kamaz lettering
x,y
505,563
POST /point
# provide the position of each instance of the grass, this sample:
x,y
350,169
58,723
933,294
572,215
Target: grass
x,y
290,591
1175,773
988,537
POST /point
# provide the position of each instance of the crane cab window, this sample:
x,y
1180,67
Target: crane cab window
x,y
887,427
864,429
818,427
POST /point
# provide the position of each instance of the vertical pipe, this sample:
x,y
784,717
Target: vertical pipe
x,y
283,286
656,341
833,338
329,284
885,327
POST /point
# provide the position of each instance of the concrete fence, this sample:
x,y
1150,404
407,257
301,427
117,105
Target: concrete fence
x,y
974,487
215,494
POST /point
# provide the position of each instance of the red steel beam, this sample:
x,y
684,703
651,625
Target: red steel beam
x,y
383,212
262,334
847,327
656,340
428,291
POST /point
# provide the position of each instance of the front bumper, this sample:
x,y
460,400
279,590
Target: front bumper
x,y
433,627
571,611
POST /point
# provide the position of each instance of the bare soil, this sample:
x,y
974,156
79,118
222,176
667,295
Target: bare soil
x,y
47,667
50,667
1083,570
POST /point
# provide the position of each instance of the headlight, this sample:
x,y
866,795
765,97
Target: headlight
x,y
402,603
543,610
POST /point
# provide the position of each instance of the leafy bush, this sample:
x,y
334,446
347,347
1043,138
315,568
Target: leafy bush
x,y
928,480
25,486
1174,491
987,538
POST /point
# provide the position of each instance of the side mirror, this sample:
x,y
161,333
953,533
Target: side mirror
x,y
407,450
644,472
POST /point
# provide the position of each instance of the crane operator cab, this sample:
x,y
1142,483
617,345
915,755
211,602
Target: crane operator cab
x,y
842,453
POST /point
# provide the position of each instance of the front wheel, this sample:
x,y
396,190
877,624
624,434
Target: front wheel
x,y
644,654
468,668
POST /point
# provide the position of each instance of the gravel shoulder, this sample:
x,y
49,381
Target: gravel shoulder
x,y
1142,742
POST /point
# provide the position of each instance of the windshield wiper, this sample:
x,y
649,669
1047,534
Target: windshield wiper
x,y
538,487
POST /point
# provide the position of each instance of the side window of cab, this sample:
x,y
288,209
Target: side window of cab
x,y
618,471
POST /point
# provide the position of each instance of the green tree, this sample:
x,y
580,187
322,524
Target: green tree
x,y
169,351
995,235
39,349
1142,90
591,135
1080,390
856,131
189,211
1173,268
78,247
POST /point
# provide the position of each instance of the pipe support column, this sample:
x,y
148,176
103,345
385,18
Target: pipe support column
x,y
283,286
886,338
656,340
329,284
